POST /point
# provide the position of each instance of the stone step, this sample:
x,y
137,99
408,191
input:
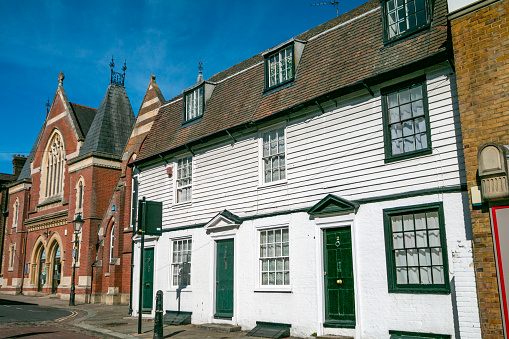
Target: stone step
x,y
330,336
227,328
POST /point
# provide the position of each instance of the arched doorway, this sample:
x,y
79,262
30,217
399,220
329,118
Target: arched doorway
x,y
42,271
57,270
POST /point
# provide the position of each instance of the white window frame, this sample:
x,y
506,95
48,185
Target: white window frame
x,y
194,103
274,66
259,267
174,264
176,180
112,241
80,199
15,214
12,255
262,179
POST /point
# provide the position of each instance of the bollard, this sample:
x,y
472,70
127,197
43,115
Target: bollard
x,y
158,321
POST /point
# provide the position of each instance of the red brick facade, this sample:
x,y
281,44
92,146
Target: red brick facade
x,y
42,239
481,52
112,276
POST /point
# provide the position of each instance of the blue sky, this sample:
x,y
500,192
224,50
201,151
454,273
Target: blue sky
x,y
38,39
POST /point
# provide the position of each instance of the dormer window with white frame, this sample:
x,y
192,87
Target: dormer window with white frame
x,y
184,180
279,67
194,102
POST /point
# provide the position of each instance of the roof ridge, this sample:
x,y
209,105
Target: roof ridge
x,y
73,103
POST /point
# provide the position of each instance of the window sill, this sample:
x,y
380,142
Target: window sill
x,y
272,184
280,86
407,156
176,289
274,289
420,290
192,121
182,204
410,34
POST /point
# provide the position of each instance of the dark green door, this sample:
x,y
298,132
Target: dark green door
x,y
148,279
338,274
224,279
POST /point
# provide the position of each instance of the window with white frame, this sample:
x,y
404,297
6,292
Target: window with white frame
x,y
53,170
194,104
79,195
15,212
405,16
273,155
181,262
12,256
112,241
274,257
184,179
279,67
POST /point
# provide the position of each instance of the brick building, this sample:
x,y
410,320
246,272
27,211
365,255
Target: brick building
x,y
112,269
5,179
72,170
480,40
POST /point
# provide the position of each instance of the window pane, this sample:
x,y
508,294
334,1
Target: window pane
x,y
397,222
408,128
404,95
426,275
434,238
420,221
396,131
421,141
397,239
409,144
436,256
432,218
400,258
420,18
413,275
265,278
438,275
397,146
412,257
416,92
424,257
408,222
393,100
401,275
422,239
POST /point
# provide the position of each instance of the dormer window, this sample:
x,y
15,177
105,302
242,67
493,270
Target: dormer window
x,y
403,17
279,67
194,104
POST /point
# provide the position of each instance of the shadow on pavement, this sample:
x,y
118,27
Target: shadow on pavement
x,y
174,333
12,302
28,334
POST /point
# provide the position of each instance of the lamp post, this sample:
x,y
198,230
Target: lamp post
x,y
77,224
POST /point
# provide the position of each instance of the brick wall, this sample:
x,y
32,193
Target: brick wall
x,y
481,53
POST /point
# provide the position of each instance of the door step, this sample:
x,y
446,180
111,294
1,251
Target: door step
x,y
328,336
177,318
227,328
270,330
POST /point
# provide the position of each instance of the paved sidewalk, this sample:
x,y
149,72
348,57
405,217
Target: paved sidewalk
x,y
113,321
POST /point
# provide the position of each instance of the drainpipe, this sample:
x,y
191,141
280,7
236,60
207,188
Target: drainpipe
x,y
24,260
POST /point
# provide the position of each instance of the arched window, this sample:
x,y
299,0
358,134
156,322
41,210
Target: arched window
x,y
15,212
54,166
112,241
79,194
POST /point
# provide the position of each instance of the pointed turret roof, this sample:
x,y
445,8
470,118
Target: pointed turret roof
x,y
112,124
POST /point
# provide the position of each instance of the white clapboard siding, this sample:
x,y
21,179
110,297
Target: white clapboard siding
x,y
340,151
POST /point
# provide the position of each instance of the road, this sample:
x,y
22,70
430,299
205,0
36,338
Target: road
x,y
25,320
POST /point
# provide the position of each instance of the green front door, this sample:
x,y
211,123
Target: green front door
x,y
224,279
148,279
338,275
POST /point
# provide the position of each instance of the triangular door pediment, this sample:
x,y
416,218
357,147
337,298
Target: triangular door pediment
x,y
222,221
332,204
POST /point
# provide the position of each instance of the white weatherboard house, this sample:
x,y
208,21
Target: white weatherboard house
x,y
318,186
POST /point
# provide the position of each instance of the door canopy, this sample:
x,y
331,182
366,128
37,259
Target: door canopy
x,y
332,204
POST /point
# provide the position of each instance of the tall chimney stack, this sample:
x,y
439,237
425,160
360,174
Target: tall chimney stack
x,y
18,161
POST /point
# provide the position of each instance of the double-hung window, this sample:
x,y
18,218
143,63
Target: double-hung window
x,y
274,257
279,67
273,155
406,120
181,262
184,181
416,249
405,16
194,102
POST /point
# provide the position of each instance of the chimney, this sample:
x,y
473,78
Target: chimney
x,y
18,161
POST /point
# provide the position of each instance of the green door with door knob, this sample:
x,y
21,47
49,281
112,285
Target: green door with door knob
x,y
148,279
224,278
338,277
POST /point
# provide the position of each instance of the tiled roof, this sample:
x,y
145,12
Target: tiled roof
x,y
26,171
112,124
85,116
4,177
340,53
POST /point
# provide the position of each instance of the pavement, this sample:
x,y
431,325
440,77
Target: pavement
x,y
98,321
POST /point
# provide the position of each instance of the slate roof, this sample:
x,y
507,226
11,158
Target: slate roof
x,y
112,124
25,171
85,116
339,56
7,177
